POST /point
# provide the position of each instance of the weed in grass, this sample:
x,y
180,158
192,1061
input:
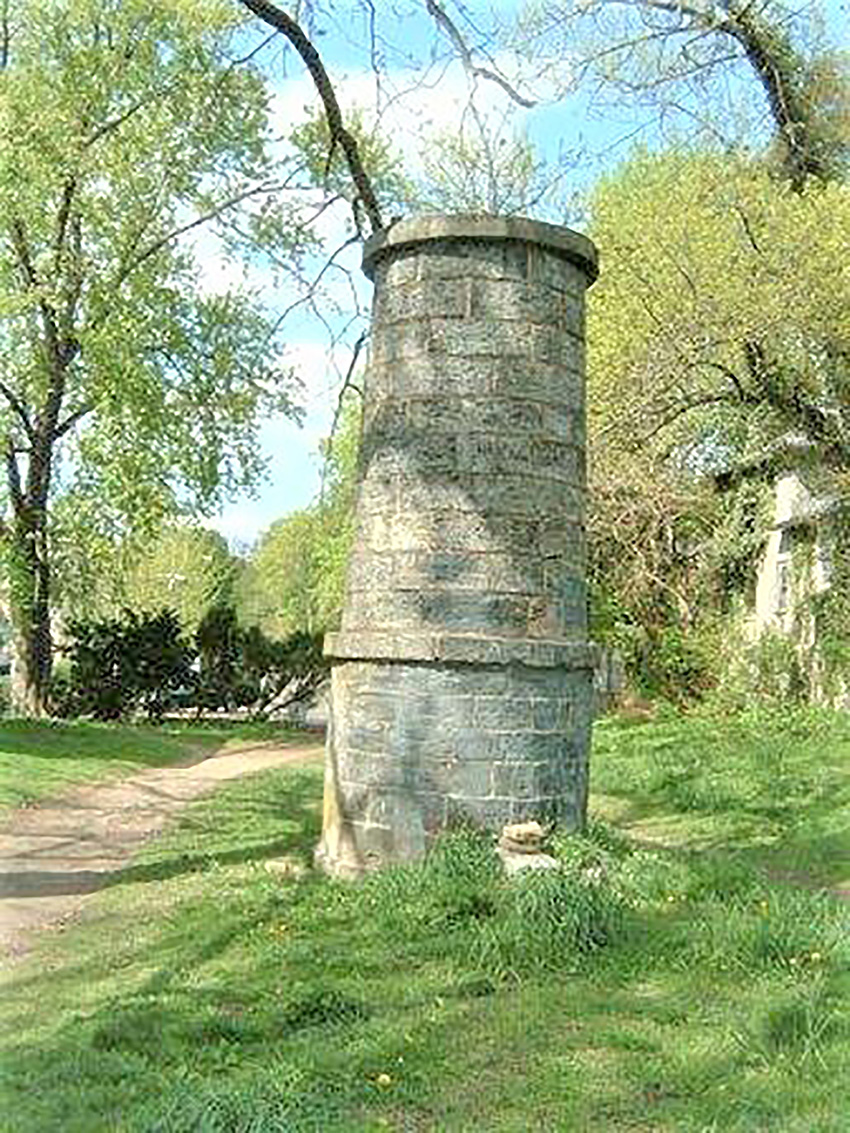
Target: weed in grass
x,y
548,920
284,1101
320,1006
457,884
460,900
799,1024
791,930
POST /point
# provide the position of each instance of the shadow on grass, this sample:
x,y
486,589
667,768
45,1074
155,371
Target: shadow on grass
x,y
61,739
775,790
278,815
257,826
285,1006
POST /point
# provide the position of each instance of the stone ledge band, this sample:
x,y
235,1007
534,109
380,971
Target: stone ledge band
x,y
459,649
418,230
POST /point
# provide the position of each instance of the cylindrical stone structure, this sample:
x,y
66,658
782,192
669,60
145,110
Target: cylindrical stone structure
x,y
461,684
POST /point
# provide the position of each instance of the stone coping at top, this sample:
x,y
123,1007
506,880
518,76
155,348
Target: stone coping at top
x,y
459,649
418,230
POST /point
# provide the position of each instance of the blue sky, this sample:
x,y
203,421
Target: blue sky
x,y
437,92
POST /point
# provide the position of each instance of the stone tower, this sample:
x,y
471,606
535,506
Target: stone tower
x,y
461,676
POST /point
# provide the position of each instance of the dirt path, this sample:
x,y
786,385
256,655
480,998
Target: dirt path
x,y
53,854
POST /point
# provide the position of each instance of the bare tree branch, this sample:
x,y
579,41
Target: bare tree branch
x,y
284,23
346,385
780,68
157,245
19,409
71,420
444,21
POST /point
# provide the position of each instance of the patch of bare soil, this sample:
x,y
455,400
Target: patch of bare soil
x,y
53,854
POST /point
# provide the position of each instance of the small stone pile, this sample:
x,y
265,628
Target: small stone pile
x,y
521,847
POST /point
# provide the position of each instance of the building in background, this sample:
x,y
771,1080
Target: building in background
x,y
796,567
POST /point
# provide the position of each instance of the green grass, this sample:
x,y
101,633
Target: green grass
x,y
773,786
645,987
41,759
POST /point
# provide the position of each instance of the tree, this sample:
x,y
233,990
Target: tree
x,y
187,568
710,332
295,578
681,55
475,168
124,385
340,136
717,358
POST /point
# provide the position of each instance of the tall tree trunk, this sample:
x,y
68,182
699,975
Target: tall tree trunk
x,y
29,608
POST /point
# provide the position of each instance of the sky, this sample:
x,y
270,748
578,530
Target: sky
x,y
422,91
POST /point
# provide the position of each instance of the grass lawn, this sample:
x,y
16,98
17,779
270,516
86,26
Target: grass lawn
x,y
38,760
666,979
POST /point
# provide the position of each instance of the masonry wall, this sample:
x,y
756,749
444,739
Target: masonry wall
x,y
461,684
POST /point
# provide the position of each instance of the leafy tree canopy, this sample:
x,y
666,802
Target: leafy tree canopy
x,y
129,384
187,568
295,578
718,342
722,320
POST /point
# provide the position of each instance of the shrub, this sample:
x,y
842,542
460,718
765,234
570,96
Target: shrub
x,y
769,671
141,663
131,663
242,668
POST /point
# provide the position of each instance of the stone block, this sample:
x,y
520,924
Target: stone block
x,y
505,713
473,339
549,714
471,778
493,262
547,382
528,301
513,495
485,811
422,299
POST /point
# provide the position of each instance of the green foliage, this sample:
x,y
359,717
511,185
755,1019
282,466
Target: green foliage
x,y
142,662
295,578
701,367
328,167
669,663
126,384
188,567
830,609
671,351
242,667
771,671
123,665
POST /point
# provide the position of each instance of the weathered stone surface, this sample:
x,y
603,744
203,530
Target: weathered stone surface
x,y
515,863
461,676
523,837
